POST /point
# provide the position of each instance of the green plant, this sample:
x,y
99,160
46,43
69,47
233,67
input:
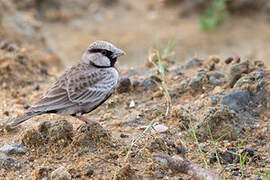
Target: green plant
x,y
242,157
214,16
266,176
214,145
192,134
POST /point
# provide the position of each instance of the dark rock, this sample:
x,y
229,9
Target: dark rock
x,y
44,70
196,84
228,157
31,159
10,149
216,78
181,178
195,62
215,99
213,159
6,113
37,88
181,150
148,84
228,60
9,164
250,152
123,135
159,176
89,171
78,175
237,100
26,106
124,85
237,70
235,173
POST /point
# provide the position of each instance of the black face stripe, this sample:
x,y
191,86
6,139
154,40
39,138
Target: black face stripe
x,y
106,53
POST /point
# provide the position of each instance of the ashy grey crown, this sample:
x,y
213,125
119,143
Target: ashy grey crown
x,y
107,46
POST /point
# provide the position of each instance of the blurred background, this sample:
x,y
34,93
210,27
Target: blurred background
x,y
199,28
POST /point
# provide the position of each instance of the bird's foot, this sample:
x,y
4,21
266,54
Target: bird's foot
x,y
87,121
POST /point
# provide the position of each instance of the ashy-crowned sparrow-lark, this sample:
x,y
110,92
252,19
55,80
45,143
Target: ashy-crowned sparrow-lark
x,y
83,87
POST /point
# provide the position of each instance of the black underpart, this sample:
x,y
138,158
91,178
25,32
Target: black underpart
x,y
106,53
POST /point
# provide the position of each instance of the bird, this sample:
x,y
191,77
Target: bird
x,y
82,87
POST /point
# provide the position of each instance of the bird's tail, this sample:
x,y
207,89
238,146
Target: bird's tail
x,y
26,116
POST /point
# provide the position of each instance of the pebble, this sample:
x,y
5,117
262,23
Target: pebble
x,y
194,62
148,84
123,135
89,171
132,104
60,174
228,157
124,85
228,60
237,100
250,152
10,149
160,128
181,150
159,175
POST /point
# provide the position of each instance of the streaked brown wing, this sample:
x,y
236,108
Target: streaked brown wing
x,y
55,98
91,87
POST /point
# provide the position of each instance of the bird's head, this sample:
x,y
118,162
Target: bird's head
x,y
101,54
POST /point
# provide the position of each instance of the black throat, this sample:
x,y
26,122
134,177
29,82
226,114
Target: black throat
x,y
98,66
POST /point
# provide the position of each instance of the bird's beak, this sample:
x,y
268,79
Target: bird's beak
x,y
119,52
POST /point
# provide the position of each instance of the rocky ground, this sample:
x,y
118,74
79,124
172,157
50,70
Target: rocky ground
x,y
218,118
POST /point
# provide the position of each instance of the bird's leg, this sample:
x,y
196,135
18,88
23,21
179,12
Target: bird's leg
x,y
86,120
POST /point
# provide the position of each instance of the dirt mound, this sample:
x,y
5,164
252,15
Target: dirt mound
x,y
20,67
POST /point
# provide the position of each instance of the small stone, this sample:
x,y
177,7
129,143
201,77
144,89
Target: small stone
x,y
124,85
44,70
250,152
132,104
60,174
235,173
195,62
10,149
237,100
159,175
37,88
181,178
148,84
6,113
123,135
89,171
181,150
160,128
31,159
26,106
213,159
228,60
228,157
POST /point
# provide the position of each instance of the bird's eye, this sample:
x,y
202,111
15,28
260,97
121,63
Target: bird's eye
x,y
104,52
